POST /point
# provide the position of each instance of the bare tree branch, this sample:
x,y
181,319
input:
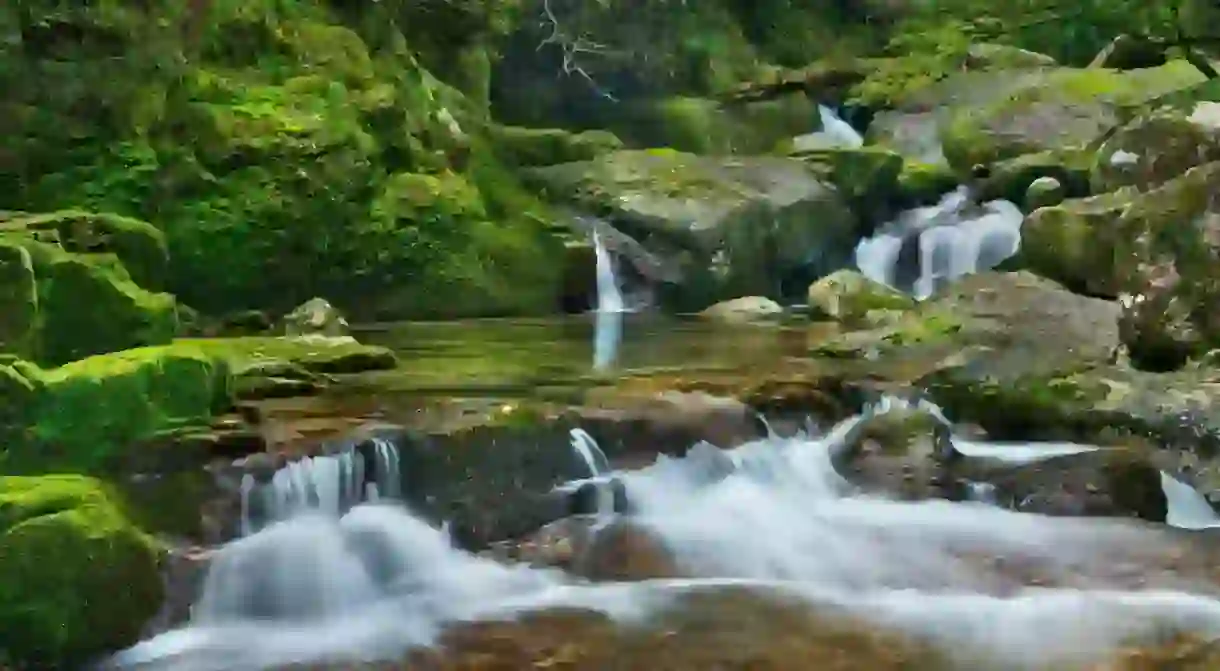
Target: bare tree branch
x,y
571,48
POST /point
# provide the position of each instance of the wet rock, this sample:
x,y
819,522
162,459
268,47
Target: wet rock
x,y
982,56
625,551
1044,192
633,428
894,454
745,310
733,227
1111,482
1076,242
315,316
849,297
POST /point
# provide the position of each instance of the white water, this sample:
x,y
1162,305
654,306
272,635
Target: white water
x,y
1188,509
835,133
773,514
330,483
953,241
608,328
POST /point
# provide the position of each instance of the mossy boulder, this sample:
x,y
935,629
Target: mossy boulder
x,y
1158,147
867,176
536,147
734,226
1076,242
1055,110
707,126
84,304
851,298
1168,271
317,354
86,413
925,183
77,579
139,245
1010,179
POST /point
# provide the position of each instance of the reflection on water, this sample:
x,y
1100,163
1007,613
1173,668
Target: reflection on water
x,y
497,354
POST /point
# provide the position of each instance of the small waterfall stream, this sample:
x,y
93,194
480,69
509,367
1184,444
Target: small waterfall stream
x,y
925,248
330,484
608,327
772,514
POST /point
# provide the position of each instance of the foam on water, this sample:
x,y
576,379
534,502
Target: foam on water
x,y
772,513
952,239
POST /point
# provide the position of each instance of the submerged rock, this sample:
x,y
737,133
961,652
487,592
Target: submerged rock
x,y
732,226
76,578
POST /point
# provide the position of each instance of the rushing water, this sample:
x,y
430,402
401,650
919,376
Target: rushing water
x,y
772,513
835,133
926,248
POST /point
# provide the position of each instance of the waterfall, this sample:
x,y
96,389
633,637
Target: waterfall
x,y
925,248
330,484
835,133
1188,509
608,329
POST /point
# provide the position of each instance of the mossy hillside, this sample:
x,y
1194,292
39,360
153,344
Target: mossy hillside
x,y
77,579
260,152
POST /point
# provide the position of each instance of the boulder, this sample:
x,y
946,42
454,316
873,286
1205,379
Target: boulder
x,y
851,298
77,579
1157,147
537,147
984,56
83,303
732,227
868,177
1168,264
1055,109
1010,179
1076,242
315,317
745,310
1044,192
706,126
1126,52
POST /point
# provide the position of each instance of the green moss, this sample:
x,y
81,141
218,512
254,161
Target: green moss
x,y
18,300
138,244
924,183
85,413
77,579
1075,242
847,296
535,147
867,176
317,355
1010,179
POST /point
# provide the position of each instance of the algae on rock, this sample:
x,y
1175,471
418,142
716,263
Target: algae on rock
x,y
77,579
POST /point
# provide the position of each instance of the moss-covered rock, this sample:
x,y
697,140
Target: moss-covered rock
x,y
706,126
77,579
735,226
1076,242
1158,147
18,300
313,353
1010,179
867,176
139,245
84,304
1056,110
925,183
1044,192
849,297
86,413
536,147
1168,272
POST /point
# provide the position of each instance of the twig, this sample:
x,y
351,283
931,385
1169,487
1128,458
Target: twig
x,y
571,48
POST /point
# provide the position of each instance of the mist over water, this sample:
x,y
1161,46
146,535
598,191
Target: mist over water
x,y
772,514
